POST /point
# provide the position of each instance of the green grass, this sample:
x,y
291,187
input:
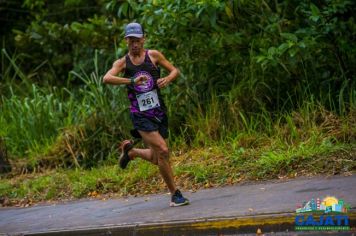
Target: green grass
x,y
75,125
218,165
308,141
224,147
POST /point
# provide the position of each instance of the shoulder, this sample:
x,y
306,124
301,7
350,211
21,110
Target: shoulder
x,y
155,54
120,62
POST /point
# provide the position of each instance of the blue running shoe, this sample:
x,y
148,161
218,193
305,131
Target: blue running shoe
x,y
178,199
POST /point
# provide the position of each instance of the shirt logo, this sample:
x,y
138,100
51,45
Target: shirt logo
x,y
147,85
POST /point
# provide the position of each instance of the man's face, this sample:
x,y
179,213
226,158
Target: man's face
x,y
135,44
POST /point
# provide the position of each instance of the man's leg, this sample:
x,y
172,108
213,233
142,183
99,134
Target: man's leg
x,y
158,154
145,154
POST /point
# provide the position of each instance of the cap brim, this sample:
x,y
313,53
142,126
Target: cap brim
x,y
134,35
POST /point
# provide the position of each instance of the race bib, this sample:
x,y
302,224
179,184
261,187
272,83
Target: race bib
x,y
147,101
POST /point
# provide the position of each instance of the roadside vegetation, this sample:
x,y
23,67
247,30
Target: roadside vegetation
x,y
267,91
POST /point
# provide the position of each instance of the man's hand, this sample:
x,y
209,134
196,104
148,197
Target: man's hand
x,y
162,82
140,80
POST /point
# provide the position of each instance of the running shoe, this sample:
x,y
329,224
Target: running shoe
x,y
125,147
178,199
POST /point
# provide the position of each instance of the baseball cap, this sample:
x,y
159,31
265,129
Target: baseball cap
x,y
134,30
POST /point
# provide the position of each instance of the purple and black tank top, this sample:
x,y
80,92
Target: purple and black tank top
x,y
146,98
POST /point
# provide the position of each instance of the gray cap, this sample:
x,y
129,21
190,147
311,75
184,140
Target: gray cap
x,y
133,30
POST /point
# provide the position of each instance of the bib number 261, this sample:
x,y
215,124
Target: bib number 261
x,y
147,101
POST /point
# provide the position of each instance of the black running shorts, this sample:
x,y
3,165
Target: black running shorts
x,y
144,123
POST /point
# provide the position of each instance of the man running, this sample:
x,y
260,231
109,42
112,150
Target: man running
x,y
148,111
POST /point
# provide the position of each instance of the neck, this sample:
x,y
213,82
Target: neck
x,y
139,54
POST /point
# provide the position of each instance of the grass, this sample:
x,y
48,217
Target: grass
x,y
221,164
307,141
57,124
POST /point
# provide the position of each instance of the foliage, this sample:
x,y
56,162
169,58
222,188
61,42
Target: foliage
x,y
59,127
251,71
276,49
65,40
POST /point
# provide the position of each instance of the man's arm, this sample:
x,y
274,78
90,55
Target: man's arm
x,y
111,76
159,59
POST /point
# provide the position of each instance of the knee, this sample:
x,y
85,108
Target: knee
x,y
160,156
162,151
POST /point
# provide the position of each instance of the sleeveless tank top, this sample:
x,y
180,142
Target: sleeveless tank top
x,y
145,99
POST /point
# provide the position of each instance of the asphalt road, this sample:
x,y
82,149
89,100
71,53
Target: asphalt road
x,y
248,201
